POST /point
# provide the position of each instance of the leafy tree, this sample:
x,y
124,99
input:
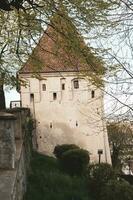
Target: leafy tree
x,y
98,176
117,189
121,142
116,39
22,23
104,184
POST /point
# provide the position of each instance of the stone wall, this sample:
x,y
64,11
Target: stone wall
x,y
7,141
15,152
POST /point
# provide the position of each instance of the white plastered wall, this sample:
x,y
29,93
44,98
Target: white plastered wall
x,y
74,117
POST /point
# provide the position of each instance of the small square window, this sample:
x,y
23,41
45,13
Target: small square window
x,y
63,86
43,87
76,84
31,95
54,96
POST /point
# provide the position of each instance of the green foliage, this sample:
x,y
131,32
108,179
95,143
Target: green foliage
x,y
117,189
75,161
121,142
98,176
128,178
60,149
72,159
105,185
46,181
23,25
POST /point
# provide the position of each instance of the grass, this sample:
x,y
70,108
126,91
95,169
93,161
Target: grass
x,y
47,182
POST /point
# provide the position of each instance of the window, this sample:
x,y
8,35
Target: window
x,y
92,94
32,97
54,96
43,87
50,125
63,86
76,84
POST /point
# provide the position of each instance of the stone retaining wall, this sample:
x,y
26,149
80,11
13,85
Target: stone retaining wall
x,y
15,152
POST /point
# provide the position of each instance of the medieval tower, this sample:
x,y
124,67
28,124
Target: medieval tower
x,y
67,107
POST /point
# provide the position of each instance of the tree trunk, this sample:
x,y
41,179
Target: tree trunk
x,y
2,95
116,163
2,98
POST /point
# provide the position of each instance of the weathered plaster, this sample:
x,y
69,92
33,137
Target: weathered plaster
x,y
74,117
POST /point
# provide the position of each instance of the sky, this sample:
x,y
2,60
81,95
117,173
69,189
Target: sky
x,y
11,95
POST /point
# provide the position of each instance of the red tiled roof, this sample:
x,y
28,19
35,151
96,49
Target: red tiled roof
x,y
59,49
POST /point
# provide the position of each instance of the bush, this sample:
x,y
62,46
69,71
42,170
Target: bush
x,y
128,178
60,149
46,181
115,190
75,161
99,175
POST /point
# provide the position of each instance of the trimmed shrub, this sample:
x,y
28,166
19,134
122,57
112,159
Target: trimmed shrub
x,y
60,149
115,190
75,161
99,175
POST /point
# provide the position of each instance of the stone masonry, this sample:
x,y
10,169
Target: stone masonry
x,y
7,141
15,151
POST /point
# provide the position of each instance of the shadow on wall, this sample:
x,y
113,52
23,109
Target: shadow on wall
x,y
49,137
